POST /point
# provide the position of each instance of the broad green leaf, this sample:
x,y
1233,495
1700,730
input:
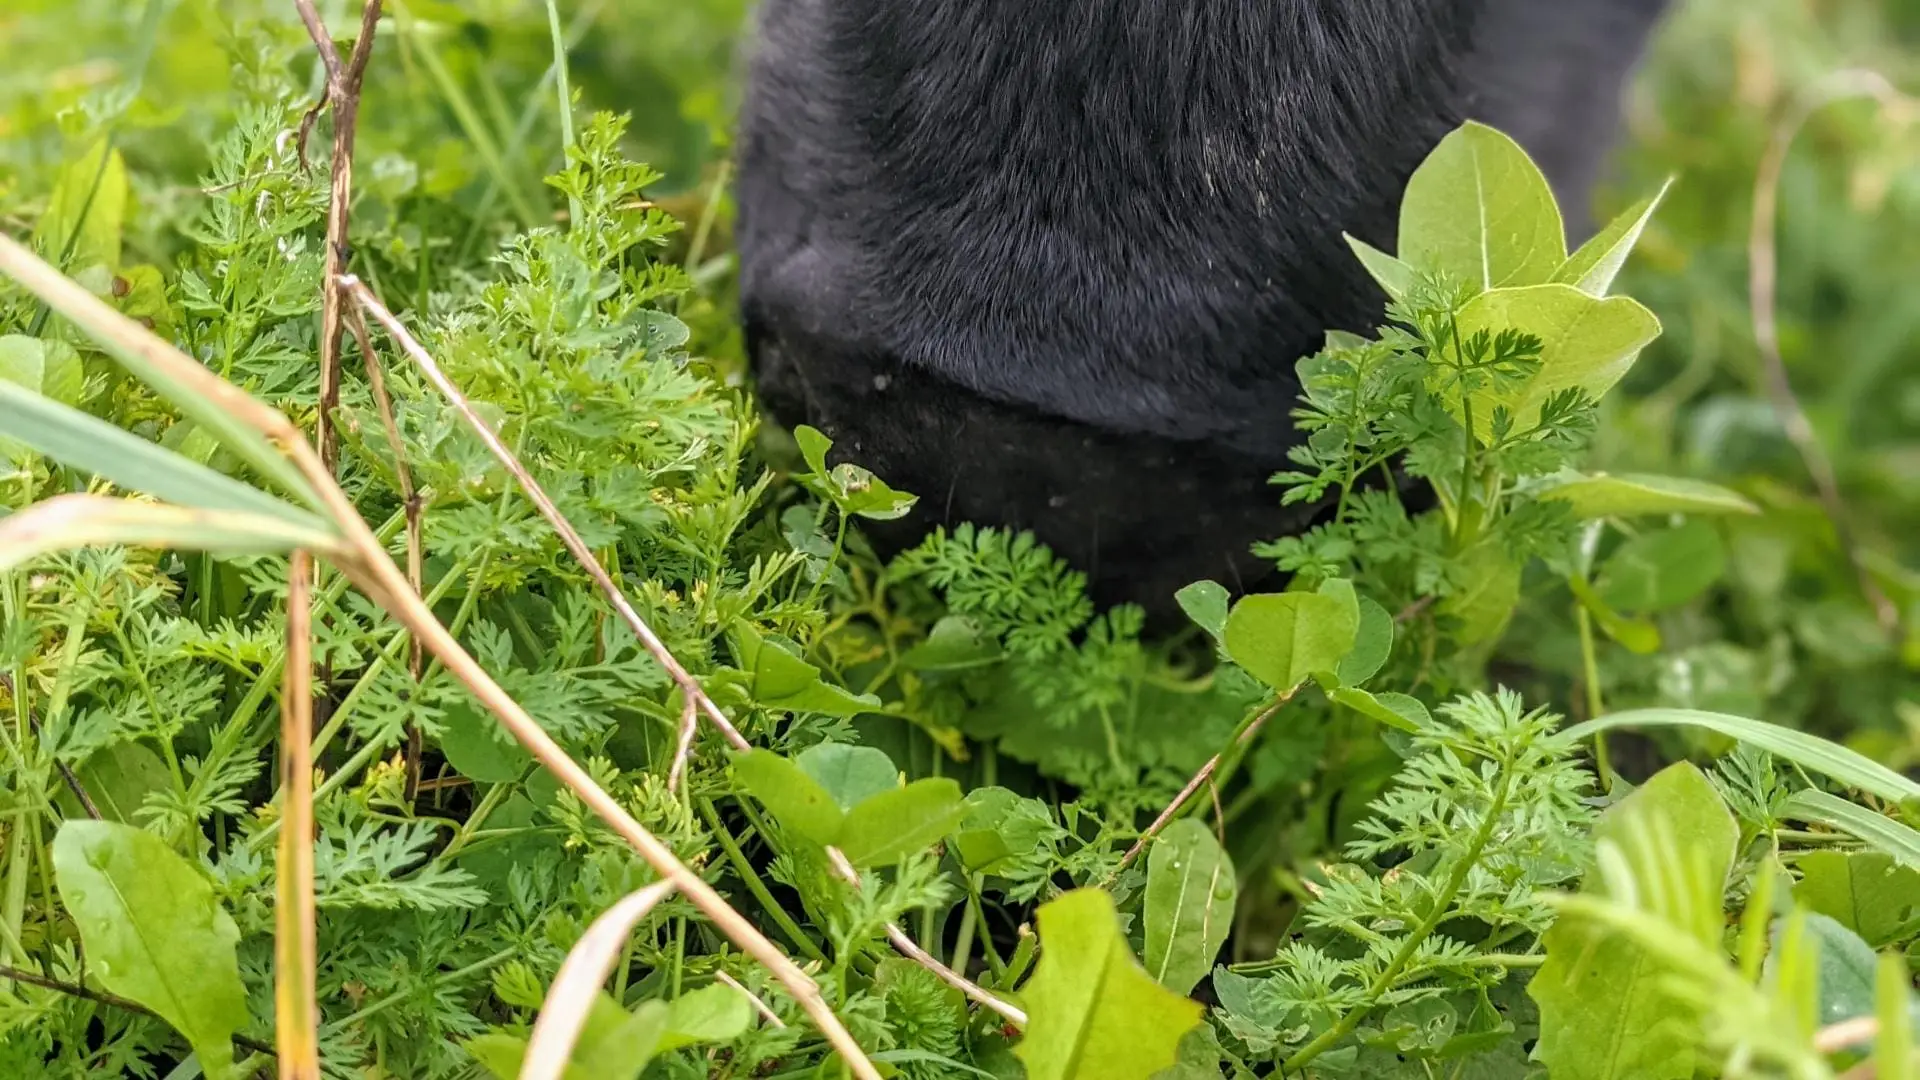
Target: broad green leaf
x,y
1846,967
1372,644
956,643
1599,260
1000,825
779,680
199,394
1827,758
796,799
118,780
1630,495
849,773
46,367
1093,1014
1867,892
87,210
1488,591
1663,569
1206,603
469,740
154,933
1479,210
851,488
1282,639
1604,1014
1394,276
894,824
67,522
1886,835
1394,710
75,438
711,1014
1191,890
1586,343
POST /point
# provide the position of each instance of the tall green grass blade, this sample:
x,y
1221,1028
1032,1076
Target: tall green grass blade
x,y
69,522
220,407
75,438
1881,832
1808,751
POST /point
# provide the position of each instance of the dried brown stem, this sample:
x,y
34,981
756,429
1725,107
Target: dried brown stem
x,y
1200,778
925,959
343,96
694,696
766,1011
28,978
411,505
296,947
1763,284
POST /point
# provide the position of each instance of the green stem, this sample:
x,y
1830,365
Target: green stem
x,y
1442,905
1596,705
755,885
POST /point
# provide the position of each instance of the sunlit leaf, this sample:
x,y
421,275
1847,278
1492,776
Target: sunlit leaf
x,y
1481,211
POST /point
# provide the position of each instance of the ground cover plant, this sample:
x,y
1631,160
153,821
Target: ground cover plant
x,y
418,660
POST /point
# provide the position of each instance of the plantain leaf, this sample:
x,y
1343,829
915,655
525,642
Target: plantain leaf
x,y
154,933
892,825
1827,758
1602,495
1191,891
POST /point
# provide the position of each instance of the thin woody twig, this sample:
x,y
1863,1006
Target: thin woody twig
x,y
1200,778
695,698
1763,283
925,959
342,94
28,978
411,505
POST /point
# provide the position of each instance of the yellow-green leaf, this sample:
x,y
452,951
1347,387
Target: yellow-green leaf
x,y
1093,1014
154,933
1631,495
1593,268
1480,210
1586,343
1283,639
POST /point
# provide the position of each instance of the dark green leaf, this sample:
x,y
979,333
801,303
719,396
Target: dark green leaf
x,y
1191,891
779,680
1659,570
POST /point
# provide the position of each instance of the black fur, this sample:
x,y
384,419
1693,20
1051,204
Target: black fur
x,y
1049,263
